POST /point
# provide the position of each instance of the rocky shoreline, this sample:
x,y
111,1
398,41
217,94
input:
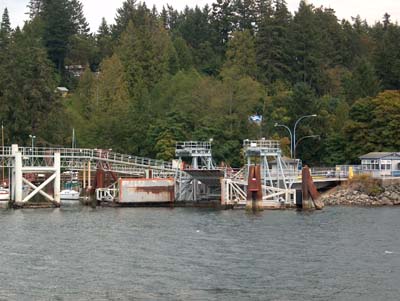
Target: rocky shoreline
x,y
358,196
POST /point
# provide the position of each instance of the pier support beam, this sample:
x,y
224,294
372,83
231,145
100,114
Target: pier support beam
x,y
310,195
57,180
18,177
254,189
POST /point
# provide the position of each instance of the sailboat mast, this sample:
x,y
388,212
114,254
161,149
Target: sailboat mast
x,y
2,143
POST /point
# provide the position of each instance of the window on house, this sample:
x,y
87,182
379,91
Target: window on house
x,y
386,165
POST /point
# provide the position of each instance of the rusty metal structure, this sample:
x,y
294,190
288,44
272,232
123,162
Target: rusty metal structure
x,y
141,191
310,195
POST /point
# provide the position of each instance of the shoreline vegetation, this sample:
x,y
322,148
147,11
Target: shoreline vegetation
x,y
153,78
363,191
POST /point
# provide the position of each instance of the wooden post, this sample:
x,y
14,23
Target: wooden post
x,y
84,176
89,186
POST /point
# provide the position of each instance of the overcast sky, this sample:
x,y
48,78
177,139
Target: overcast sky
x,y
371,10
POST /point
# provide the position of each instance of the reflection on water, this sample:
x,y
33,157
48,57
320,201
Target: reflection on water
x,y
80,253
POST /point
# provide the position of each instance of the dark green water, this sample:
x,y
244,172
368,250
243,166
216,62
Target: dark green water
x,y
80,253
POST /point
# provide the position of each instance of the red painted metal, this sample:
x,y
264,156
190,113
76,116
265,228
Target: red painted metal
x,y
309,190
254,190
103,168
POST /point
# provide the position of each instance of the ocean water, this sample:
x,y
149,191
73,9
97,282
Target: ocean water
x,y
81,253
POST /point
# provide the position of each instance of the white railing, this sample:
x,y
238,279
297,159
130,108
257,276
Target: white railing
x,y
88,154
106,194
193,145
272,145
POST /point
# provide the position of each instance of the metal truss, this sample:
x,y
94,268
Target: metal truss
x,y
76,159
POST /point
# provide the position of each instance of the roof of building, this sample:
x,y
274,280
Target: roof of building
x,y
62,89
381,155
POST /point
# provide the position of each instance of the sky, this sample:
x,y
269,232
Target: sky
x,y
371,10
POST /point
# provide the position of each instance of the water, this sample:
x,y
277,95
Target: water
x,y
80,253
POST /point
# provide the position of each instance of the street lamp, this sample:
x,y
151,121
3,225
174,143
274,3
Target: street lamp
x,y
293,133
33,143
301,139
291,137
33,140
294,129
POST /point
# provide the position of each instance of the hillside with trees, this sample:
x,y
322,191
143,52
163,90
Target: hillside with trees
x,y
156,77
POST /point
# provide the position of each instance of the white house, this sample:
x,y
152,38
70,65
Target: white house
x,y
381,163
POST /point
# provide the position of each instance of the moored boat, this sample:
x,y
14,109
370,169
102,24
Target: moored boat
x,y
4,194
69,194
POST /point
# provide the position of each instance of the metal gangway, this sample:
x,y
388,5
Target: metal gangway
x,y
51,161
78,158
277,177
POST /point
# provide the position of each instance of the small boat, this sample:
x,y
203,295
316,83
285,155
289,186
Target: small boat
x,y
4,194
69,194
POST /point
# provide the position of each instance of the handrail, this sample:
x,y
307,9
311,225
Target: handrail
x,y
91,154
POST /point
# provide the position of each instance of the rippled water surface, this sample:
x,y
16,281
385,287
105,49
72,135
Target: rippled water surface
x,y
80,253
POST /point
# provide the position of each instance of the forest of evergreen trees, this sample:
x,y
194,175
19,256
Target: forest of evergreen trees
x,y
156,77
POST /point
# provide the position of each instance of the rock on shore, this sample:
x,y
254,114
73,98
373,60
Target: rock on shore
x,y
389,196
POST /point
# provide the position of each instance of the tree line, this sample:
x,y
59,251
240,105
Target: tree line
x,y
156,77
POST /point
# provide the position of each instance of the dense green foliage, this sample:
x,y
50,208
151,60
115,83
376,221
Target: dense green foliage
x,y
154,78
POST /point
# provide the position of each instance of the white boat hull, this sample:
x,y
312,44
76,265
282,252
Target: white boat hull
x,y
69,195
4,194
4,197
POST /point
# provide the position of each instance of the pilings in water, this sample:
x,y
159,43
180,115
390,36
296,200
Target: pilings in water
x,y
254,189
310,195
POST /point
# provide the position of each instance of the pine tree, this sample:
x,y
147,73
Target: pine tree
x,y
81,26
104,40
125,14
245,15
58,28
145,52
184,54
30,85
363,82
195,27
35,7
306,44
387,56
5,29
223,21
386,20
241,54
164,18
272,40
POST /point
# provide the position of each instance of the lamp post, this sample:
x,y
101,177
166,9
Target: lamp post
x,y
301,139
294,129
291,137
33,137
293,133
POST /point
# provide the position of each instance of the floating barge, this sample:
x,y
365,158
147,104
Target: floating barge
x,y
139,191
